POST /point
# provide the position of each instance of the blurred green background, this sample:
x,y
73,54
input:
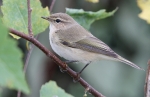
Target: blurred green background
x,y
124,32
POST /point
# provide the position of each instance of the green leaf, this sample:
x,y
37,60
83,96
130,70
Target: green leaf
x,y
51,89
11,73
16,15
86,18
93,1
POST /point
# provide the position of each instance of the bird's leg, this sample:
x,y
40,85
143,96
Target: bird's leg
x,y
83,68
66,62
79,73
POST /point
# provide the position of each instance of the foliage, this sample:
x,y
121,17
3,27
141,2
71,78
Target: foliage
x,y
144,5
51,89
93,1
11,74
16,16
86,18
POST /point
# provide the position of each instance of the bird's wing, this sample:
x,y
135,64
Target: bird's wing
x,y
94,45
91,44
74,38
73,33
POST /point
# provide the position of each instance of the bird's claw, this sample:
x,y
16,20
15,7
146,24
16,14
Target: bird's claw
x,y
75,80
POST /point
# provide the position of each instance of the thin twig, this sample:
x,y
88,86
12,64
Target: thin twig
x,y
19,93
31,46
31,35
52,5
58,61
28,57
29,19
147,81
26,64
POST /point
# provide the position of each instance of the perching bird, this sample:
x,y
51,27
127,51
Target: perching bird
x,y
74,43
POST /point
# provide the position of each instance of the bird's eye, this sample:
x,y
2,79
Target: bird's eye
x,y
58,20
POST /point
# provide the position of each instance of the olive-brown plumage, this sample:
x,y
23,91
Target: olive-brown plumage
x,y
72,42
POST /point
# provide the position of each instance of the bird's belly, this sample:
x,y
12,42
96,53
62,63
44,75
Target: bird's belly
x,y
73,54
66,52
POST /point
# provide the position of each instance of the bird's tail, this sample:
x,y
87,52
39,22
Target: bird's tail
x,y
121,59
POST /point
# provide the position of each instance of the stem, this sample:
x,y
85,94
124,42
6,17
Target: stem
x,y
52,4
31,46
26,62
147,81
19,93
31,35
29,19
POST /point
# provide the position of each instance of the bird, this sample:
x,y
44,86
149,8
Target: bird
x,y
74,43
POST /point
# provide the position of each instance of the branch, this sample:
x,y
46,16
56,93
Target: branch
x,y
58,61
26,64
147,81
52,4
29,18
31,35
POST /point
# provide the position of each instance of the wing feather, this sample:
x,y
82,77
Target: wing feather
x,y
92,44
72,37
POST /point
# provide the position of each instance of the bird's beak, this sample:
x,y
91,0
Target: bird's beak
x,y
46,18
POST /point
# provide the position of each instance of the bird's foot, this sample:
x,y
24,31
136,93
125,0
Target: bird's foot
x,y
77,78
62,69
